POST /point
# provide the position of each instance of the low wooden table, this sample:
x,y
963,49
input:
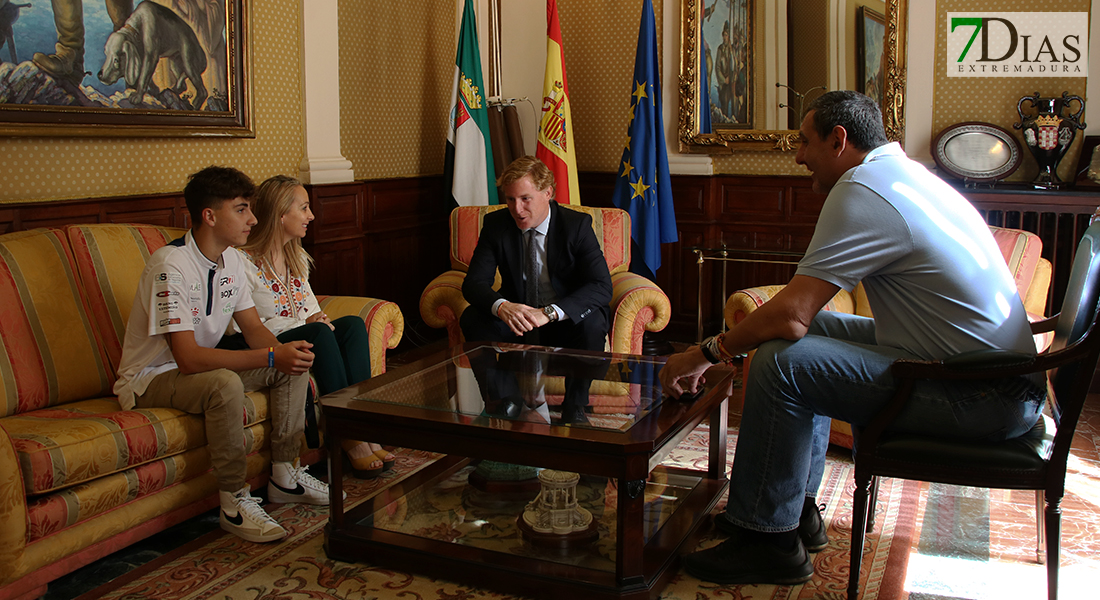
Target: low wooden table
x,y
601,415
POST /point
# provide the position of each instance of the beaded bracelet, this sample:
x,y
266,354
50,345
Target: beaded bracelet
x,y
724,355
708,351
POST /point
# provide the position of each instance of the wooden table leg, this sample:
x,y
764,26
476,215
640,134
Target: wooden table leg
x,y
335,481
719,426
630,541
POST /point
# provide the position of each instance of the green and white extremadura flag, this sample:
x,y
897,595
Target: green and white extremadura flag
x,y
469,170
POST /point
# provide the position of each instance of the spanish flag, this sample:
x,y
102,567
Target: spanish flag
x,y
555,138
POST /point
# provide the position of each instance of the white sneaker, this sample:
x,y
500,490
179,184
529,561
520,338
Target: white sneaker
x,y
290,482
242,515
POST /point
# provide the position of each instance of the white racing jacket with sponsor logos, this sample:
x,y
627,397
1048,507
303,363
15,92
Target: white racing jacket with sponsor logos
x,y
180,290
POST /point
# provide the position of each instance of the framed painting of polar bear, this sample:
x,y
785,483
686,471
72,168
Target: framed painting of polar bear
x,y
125,68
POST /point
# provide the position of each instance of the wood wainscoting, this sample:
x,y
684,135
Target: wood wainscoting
x,y
389,238
383,239
751,215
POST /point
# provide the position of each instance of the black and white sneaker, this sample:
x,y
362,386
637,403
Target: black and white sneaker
x,y
242,515
290,482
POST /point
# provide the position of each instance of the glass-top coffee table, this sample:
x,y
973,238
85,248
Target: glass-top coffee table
x,y
495,411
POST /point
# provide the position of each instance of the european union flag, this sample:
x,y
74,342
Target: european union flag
x,y
643,187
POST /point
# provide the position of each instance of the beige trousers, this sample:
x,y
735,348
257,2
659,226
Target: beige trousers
x,y
219,395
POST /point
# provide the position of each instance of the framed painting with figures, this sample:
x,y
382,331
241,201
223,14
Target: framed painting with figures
x,y
870,67
726,28
122,68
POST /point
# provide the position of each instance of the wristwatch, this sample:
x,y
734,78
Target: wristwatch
x,y
550,313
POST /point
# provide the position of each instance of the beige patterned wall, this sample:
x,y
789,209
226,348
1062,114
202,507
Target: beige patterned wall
x,y
601,39
993,100
60,168
396,71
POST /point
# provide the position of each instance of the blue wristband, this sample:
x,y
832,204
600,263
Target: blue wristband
x,y
271,356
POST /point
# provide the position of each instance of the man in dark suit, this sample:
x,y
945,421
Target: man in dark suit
x,y
570,305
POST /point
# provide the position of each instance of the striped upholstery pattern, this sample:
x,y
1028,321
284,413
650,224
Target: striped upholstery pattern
x,y
637,306
1022,251
113,257
384,321
51,352
81,441
73,512
612,227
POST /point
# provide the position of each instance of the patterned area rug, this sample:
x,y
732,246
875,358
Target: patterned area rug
x,y
220,565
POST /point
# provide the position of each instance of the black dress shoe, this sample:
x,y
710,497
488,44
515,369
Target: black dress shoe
x,y
811,527
745,559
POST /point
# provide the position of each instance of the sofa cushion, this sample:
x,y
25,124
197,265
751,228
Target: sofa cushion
x,y
80,441
110,259
51,352
611,225
50,513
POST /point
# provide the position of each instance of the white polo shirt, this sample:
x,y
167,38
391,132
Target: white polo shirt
x,y
180,290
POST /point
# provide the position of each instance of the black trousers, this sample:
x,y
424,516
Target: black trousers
x,y
588,334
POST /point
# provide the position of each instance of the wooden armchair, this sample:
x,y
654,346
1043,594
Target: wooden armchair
x,y
1034,461
637,304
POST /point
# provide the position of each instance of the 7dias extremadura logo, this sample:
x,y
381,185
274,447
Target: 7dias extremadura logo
x,y
1018,44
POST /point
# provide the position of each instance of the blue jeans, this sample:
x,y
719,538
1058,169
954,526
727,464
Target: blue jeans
x,y
838,372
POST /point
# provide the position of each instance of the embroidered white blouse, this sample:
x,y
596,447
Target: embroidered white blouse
x,y
281,307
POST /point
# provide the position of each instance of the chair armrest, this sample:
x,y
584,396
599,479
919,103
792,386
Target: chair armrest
x,y
1035,299
13,510
384,321
743,302
637,306
442,302
1044,325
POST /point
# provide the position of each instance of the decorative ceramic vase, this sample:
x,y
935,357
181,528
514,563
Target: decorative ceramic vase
x,y
1049,132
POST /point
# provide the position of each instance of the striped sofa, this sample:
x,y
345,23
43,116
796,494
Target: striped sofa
x,y
637,304
79,477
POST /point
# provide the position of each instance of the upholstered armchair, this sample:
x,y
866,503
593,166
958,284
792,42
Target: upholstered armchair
x,y
1021,250
637,304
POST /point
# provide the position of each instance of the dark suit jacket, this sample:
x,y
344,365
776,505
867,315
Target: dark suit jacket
x,y
578,269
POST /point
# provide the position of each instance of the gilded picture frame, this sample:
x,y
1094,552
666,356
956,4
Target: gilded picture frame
x,y
156,68
784,140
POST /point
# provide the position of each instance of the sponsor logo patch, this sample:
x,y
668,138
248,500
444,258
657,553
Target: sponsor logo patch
x,y
168,278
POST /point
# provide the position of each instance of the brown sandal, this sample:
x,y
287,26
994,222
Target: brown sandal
x,y
381,455
362,466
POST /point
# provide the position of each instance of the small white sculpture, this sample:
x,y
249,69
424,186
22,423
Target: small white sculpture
x,y
555,509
